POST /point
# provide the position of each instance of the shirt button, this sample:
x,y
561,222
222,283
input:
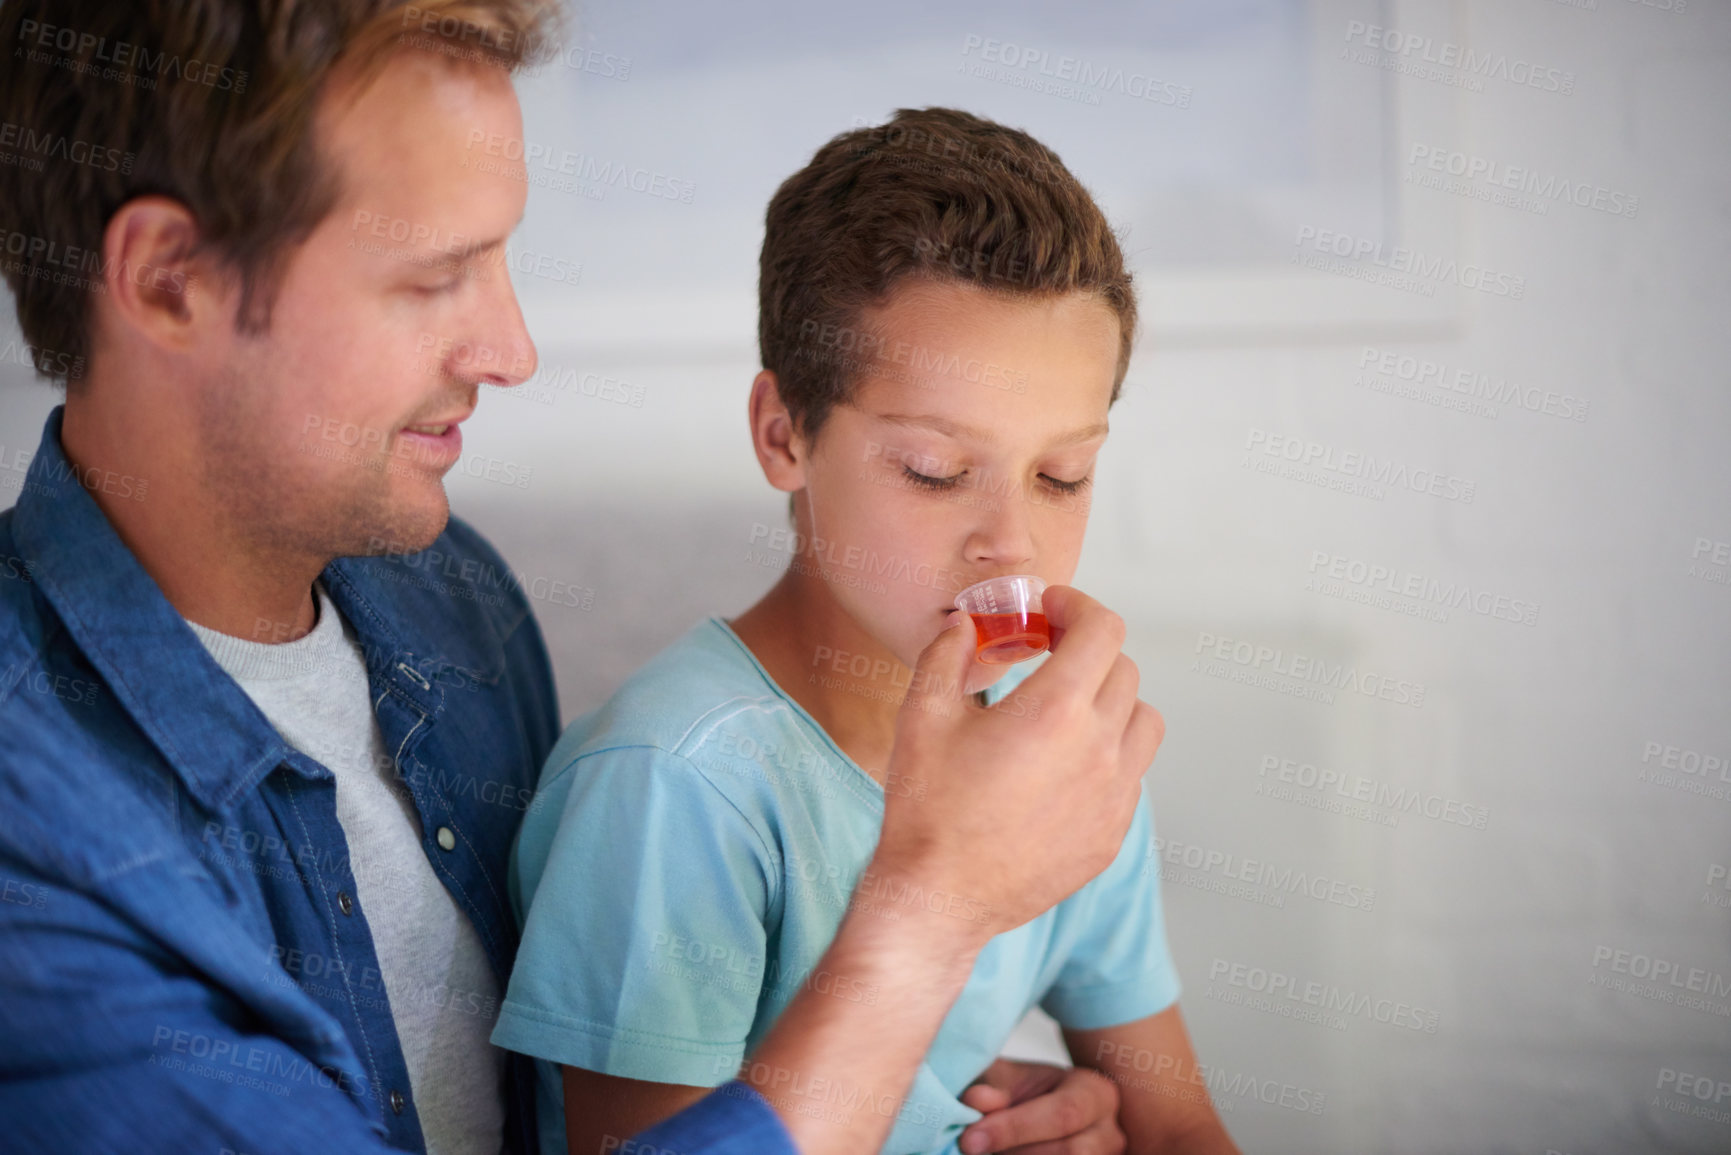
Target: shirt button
x,y
396,1102
447,840
345,903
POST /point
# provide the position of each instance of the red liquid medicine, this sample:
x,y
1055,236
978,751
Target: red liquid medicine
x,y
1009,638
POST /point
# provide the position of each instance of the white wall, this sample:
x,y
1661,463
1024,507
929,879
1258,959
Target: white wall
x,y
1503,931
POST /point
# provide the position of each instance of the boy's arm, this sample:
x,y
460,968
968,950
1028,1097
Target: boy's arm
x,y
1164,1104
601,1111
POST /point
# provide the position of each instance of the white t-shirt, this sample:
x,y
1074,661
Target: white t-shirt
x,y
441,988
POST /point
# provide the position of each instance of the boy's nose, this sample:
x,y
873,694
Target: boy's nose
x,y
1002,537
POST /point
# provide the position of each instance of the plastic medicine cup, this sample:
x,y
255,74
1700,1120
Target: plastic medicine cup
x,y
1008,618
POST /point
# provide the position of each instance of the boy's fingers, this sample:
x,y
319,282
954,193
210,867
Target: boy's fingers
x,y
1087,641
1081,1112
986,1098
1103,1138
1020,1079
936,686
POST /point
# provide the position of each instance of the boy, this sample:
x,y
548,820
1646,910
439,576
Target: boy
x,y
945,322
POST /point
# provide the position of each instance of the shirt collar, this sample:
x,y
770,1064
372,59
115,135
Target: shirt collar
x,y
204,724
406,612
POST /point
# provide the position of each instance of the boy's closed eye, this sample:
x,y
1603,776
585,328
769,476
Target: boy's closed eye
x,y
1058,485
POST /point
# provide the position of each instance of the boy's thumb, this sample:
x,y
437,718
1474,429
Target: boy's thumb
x,y
941,673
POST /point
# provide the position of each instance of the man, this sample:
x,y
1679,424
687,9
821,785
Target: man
x,y
271,717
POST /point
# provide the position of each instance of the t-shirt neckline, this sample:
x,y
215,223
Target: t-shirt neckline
x,y
246,660
877,789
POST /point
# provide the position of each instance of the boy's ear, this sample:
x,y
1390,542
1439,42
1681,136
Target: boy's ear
x,y
781,451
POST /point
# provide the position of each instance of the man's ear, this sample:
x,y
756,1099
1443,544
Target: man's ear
x,y
160,282
781,450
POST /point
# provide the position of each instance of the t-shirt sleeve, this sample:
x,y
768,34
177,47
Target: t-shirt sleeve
x,y
643,946
1119,968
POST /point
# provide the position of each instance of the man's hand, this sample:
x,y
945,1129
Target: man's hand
x,y
1038,1109
995,815
1005,812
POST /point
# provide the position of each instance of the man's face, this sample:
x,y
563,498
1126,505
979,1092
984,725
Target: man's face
x,y
333,430
967,453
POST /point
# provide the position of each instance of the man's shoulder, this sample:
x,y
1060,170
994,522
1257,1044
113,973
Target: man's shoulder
x,y
20,619
29,630
79,792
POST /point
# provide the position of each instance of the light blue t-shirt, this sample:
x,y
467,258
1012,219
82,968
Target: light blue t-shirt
x,y
690,853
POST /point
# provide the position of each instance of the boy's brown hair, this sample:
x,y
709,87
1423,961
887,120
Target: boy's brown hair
x,y
210,102
933,193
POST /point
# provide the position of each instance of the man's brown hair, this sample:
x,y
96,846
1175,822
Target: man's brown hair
x,y
210,102
933,193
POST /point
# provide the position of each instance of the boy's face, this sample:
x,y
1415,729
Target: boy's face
x,y
967,453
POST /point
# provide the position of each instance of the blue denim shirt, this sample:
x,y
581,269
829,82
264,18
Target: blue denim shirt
x,y
183,962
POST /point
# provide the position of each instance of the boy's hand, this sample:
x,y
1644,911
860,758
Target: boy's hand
x,y
1066,1110
998,815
